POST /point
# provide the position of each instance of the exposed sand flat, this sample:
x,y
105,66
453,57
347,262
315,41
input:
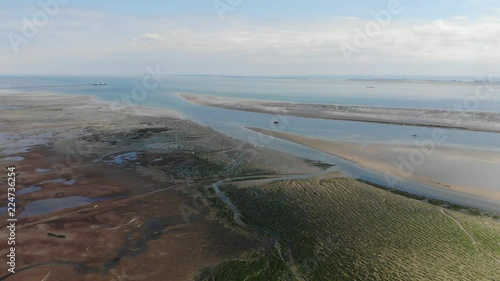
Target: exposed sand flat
x,y
105,193
464,120
37,119
15,99
113,195
467,171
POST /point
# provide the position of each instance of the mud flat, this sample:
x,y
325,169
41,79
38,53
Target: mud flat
x,y
469,171
109,194
463,120
124,194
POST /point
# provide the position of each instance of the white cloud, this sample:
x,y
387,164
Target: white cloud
x,y
152,36
310,47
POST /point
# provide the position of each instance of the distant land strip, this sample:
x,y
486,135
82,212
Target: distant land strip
x,y
449,119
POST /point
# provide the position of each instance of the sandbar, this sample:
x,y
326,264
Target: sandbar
x,y
462,120
470,171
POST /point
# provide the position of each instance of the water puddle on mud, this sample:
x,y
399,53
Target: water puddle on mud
x,y
39,170
12,158
27,190
45,206
123,158
63,181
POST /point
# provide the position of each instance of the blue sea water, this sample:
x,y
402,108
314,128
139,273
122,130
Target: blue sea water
x,y
442,94
390,93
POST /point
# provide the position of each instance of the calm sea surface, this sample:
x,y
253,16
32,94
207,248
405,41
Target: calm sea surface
x,y
428,95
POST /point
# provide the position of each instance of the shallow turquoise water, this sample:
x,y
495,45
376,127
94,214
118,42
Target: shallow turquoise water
x,y
392,94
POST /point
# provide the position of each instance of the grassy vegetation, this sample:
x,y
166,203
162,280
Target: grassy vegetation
x,y
319,164
252,178
437,202
255,267
342,229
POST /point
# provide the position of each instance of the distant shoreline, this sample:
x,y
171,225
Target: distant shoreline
x,y
447,119
468,80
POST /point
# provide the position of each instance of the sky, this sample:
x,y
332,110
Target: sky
x,y
250,37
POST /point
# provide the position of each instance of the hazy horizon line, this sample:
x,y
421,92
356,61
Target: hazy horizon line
x,y
359,76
